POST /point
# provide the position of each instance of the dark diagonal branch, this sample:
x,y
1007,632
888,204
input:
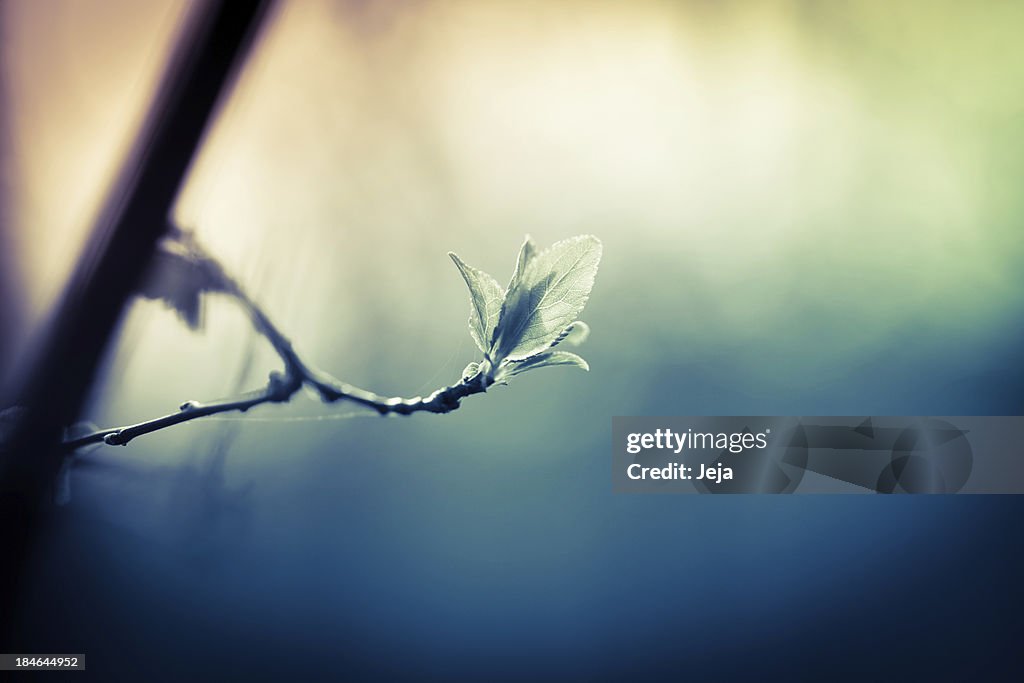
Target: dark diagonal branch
x,y
282,386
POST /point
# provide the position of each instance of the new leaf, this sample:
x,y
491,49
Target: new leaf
x,y
516,328
545,296
485,297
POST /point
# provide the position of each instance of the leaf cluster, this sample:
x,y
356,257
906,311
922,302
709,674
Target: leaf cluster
x,y
517,328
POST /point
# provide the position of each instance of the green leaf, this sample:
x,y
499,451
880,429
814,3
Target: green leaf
x,y
547,292
470,371
574,335
510,369
527,252
485,297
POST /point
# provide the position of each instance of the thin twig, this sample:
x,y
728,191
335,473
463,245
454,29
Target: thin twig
x,y
281,387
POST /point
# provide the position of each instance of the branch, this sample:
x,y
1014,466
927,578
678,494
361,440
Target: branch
x,y
281,386
516,329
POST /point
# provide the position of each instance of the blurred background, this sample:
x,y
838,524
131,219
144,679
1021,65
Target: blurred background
x,y
807,209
